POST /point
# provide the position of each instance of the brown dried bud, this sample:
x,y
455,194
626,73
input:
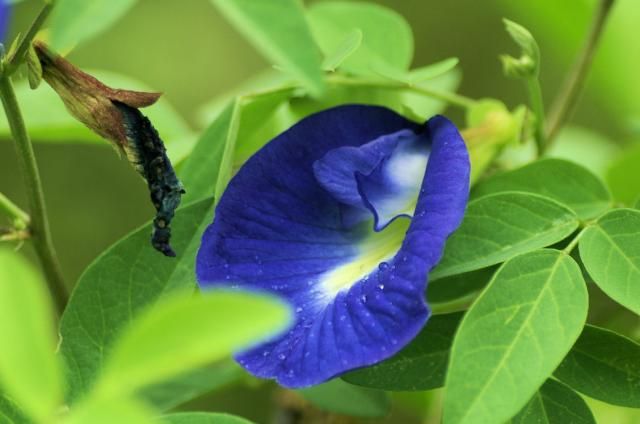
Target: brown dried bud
x,y
114,115
89,100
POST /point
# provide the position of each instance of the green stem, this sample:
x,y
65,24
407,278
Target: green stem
x,y
17,57
39,228
565,102
537,106
450,98
13,211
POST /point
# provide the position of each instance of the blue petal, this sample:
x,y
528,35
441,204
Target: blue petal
x,y
279,227
4,18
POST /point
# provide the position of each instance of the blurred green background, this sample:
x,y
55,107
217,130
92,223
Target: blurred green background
x,y
188,51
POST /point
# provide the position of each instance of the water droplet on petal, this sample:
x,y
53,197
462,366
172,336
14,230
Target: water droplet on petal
x,y
381,286
363,298
282,356
299,309
383,266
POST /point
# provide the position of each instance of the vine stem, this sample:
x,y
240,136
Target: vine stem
x,y
17,56
39,228
565,102
453,99
13,211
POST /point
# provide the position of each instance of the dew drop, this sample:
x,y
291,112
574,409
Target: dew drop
x,y
383,266
299,309
363,298
381,286
343,317
282,356
265,353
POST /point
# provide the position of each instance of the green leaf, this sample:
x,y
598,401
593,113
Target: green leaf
x,y
76,21
121,410
183,332
584,147
603,365
386,35
29,370
421,365
127,277
502,225
49,121
202,418
10,413
555,403
210,156
350,44
456,287
623,175
560,180
278,28
415,76
610,250
344,398
167,395
514,336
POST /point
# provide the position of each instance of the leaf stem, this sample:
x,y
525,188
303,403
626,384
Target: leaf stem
x,y
565,102
12,210
17,56
450,98
39,227
537,106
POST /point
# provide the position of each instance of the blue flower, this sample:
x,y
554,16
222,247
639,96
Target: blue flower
x,y
343,215
4,18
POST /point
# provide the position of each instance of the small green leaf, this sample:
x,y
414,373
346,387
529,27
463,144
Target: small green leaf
x,y
344,398
432,71
610,250
278,28
603,365
514,336
555,403
350,44
386,35
167,395
49,121
499,226
201,418
584,147
10,413
183,332
421,365
623,175
560,180
528,64
119,410
30,372
118,284
201,170
76,21
460,286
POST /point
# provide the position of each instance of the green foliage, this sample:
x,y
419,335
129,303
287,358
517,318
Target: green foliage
x,y
201,418
109,411
610,250
76,21
421,365
350,44
514,336
562,181
279,30
29,371
499,226
197,330
603,365
171,393
117,285
386,36
343,398
447,290
555,403
10,413
623,175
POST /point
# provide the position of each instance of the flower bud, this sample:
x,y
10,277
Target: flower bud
x,y
114,115
528,64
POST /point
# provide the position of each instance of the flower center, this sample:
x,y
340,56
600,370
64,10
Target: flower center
x,y
373,252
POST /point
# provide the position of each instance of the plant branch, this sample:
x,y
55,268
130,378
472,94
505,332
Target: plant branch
x,y
565,102
18,55
537,106
450,98
39,228
12,210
